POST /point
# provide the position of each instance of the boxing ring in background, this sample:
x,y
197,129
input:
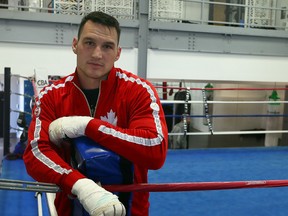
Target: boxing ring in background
x,y
206,103
213,175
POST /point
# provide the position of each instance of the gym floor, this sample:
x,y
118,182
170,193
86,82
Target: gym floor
x,y
222,165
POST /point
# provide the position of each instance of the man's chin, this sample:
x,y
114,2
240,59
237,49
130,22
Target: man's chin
x,y
97,74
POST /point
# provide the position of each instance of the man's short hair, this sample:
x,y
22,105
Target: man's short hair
x,y
100,18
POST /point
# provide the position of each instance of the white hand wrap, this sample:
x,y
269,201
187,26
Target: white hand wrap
x,y
71,127
96,200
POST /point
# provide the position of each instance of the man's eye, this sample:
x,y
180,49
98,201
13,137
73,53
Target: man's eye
x,y
107,46
89,43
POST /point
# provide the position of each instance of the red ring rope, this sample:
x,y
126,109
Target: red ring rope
x,y
9,184
188,88
195,186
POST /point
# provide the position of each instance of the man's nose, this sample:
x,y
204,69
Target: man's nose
x,y
97,52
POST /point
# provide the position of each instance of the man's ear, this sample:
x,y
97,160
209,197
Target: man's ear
x,y
118,53
74,45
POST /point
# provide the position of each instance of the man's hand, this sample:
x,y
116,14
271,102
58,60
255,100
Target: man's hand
x,y
96,200
68,127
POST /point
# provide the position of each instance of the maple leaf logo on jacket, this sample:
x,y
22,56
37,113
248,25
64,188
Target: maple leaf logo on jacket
x,y
111,117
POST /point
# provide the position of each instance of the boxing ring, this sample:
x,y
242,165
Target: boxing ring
x,y
211,181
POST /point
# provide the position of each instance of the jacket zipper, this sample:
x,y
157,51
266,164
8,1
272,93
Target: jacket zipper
x,y
91,114
97,98
87,103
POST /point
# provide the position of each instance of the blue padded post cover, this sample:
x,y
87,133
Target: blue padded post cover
x,y
96,162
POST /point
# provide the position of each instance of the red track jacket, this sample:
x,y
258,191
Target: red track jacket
x,y
128,120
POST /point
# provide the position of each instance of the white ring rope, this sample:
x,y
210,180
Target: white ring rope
x,y
24,95
17,129
233,132
18,111
222,102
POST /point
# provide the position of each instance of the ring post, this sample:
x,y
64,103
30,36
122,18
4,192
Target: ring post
x,y
272,123
6,125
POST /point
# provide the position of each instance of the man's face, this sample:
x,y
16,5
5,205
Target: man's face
x,y
97,50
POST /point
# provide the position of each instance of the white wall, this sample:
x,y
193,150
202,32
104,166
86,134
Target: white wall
x,y
24,59
216,67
